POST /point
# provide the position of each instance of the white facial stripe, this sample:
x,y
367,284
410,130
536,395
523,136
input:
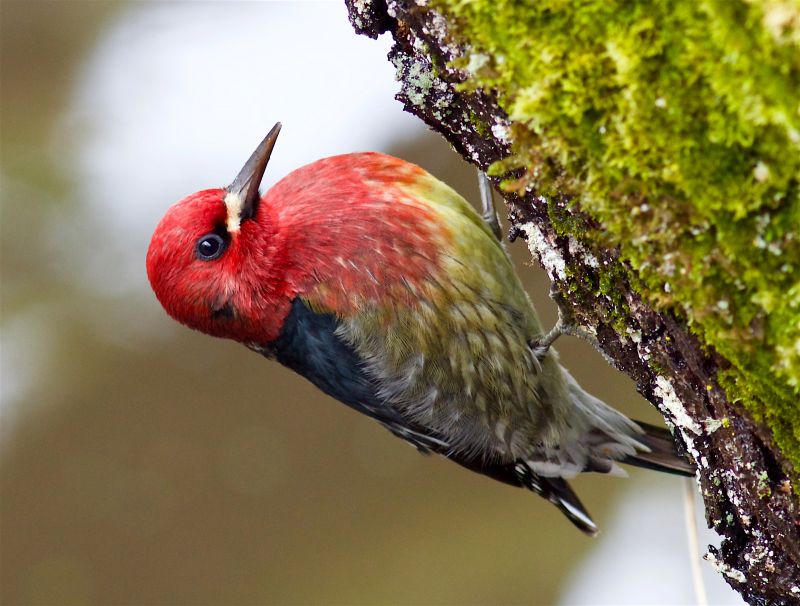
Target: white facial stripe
x,y
234,204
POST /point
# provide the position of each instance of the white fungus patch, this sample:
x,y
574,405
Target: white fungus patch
x,y
671,401
761,172
713,425
500,132
726,569
577,249
540,246
360,8
418,84
438,28
476,62
634,335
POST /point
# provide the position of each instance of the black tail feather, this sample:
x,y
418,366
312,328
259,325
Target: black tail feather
x,y
555,490
662,455
559,493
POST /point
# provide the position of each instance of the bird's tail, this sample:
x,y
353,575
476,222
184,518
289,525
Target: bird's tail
x,y
560,494
554,489
602,438
612,437
662,455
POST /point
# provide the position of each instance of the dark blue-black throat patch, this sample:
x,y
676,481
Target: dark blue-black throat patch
x,y
308,344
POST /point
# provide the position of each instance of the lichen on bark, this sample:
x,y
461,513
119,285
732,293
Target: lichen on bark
x,y
650,156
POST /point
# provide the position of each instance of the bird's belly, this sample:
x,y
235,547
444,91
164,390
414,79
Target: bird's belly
x,y
476,394
477,387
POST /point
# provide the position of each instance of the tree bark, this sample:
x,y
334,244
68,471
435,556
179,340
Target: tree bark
x,y
745,480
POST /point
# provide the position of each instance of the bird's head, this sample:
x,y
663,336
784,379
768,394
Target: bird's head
x,y
211,259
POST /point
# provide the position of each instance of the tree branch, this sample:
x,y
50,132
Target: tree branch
x,y
745,479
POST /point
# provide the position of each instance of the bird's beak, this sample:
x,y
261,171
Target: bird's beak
x,y
242,196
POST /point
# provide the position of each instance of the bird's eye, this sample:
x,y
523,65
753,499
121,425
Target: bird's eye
x,y
210,247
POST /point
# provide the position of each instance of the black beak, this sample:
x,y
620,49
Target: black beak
x,y
245,185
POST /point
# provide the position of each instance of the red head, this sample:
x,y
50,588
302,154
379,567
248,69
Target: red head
x,y
342,232
211,258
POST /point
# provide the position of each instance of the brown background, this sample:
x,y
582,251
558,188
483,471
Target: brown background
x,y
179,469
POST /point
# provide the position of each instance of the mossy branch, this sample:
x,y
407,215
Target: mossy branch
x,y
649,154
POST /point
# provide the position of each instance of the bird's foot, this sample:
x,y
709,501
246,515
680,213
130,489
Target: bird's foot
x,y
540,347
565,325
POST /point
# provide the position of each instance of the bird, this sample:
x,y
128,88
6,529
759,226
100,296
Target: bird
x,y
388,291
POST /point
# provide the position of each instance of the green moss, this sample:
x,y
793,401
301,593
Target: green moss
x,y
676,125
479,125
764,489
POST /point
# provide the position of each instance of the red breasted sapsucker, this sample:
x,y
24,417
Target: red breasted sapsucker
x,y
384,288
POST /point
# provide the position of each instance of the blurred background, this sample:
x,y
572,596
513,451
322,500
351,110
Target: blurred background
x,y
142,463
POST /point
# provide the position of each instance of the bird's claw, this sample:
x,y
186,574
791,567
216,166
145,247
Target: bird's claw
x,y
540,347
564,325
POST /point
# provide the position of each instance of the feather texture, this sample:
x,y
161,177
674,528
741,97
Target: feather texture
x,y
383,287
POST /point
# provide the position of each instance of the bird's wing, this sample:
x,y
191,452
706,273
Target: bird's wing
x,y
309,345
430,306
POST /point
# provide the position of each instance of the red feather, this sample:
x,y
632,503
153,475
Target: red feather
x,y
344,231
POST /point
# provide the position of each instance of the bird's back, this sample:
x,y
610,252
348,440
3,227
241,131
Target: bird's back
x,y
428,299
